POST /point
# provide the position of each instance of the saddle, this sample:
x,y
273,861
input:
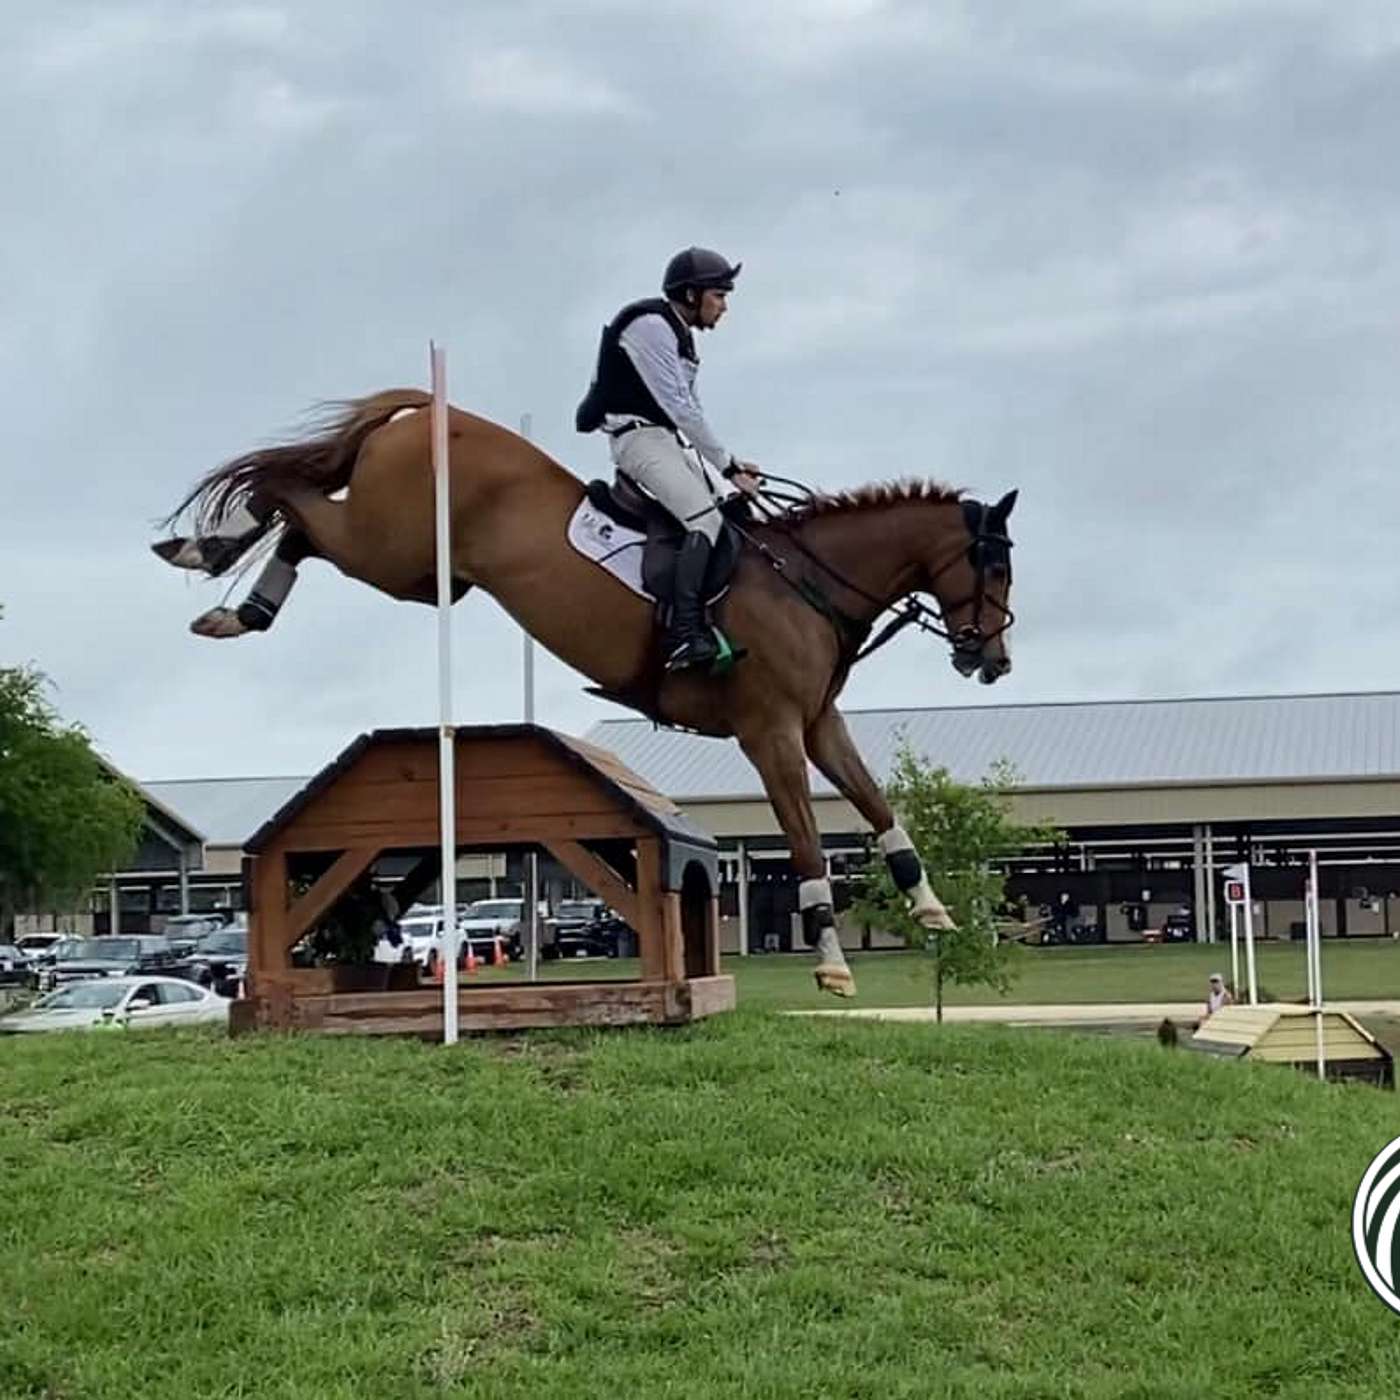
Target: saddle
x,y
626,503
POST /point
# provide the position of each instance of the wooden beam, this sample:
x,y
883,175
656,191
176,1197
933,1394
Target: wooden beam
x,y
505,1006
417,880
318,899
598,875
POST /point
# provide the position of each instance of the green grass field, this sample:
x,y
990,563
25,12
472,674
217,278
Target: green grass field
x,y
753,1207
1367,970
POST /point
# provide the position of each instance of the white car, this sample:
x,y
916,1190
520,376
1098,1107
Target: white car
x,y
132,1002
420,933
34,945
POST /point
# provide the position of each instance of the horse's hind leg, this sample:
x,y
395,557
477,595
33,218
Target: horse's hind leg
x,y
831,749
217,552
258,611
778,756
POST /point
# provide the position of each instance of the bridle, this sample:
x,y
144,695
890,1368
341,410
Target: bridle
x,y
988,551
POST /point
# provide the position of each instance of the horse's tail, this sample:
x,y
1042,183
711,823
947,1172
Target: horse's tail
x,y
322,462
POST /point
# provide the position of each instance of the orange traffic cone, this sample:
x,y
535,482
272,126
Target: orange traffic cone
x,y
437,970
498,953
471,959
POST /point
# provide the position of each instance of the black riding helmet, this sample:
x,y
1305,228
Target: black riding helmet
x,y
698,268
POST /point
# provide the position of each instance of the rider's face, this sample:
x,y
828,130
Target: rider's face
x,y
713,304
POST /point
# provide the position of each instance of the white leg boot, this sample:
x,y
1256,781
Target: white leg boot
x,y
833,973
908,872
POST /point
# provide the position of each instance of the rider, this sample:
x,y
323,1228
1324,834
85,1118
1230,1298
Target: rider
x,y
643,397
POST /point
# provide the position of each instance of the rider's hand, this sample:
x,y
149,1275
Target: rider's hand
x,y
747,477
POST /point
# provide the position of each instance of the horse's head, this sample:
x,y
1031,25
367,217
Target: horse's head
x,y
973,588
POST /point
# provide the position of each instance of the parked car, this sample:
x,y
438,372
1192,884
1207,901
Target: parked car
x,y
185,930
488,919
35,945
134,1002
114,955
584,928
420,933
218,960
14,966
479,924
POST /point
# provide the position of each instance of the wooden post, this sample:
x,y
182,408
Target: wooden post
x,y
673,937
267,913
712,936
650,925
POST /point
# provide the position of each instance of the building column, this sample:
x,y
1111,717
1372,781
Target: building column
x,y
1198,872
1210,884
742,874
114,911
184,882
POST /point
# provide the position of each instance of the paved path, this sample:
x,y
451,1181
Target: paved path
x,y
1081,1014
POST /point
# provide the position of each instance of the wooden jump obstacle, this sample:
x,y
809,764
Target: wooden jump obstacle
x,y
515,785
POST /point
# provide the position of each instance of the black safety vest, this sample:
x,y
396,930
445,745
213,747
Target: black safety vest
x,y
616,386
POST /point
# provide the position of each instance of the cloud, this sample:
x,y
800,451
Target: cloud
x,y
518,80
1138,260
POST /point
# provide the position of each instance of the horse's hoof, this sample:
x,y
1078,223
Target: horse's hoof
x,y
936,920
218,622
181,552
836,980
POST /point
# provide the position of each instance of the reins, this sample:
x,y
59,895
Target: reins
x,y
988,548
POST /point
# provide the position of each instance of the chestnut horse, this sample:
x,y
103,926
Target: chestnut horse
x,y
810,583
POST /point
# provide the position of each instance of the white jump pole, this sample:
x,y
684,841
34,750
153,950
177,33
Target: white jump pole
x,y
1249,940
447,767
1315,961
532,861
1234,948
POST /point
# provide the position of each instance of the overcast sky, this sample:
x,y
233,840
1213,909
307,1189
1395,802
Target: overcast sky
x,y
1137,258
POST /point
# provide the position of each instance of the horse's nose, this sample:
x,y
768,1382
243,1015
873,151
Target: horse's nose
x,y
994,669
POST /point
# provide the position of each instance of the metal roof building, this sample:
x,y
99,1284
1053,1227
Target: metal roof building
x,y
225,811
1155,797
1114,744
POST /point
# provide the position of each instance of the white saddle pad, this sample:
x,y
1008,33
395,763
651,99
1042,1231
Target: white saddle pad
x,y
609,545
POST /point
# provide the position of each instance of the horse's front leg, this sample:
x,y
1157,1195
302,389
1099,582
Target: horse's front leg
x,y
782,765
831,749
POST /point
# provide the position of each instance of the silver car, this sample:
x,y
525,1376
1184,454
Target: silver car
x,y
123,1002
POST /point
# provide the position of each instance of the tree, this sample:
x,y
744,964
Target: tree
x,y
65,816
959,830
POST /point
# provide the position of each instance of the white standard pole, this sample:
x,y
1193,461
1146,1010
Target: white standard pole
x,y
1234,948
526,428
1210,885
447,767
532,861
1249,940
1317,962
1309,924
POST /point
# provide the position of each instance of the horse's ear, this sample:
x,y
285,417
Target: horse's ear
x,y
1004,506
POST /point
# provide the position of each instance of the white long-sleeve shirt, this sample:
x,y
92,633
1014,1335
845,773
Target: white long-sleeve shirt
x,y
650,344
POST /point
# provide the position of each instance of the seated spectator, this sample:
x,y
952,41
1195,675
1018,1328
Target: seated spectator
x,y
1217,994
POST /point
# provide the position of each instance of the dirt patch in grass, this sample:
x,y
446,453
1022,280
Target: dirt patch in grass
x,y
466,1342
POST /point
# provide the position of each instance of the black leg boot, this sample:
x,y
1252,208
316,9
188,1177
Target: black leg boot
x,y
690,641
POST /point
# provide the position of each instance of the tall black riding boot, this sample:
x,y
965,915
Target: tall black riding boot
x,y
690,641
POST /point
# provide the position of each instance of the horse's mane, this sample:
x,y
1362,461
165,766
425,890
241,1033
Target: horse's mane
x,y
871,497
